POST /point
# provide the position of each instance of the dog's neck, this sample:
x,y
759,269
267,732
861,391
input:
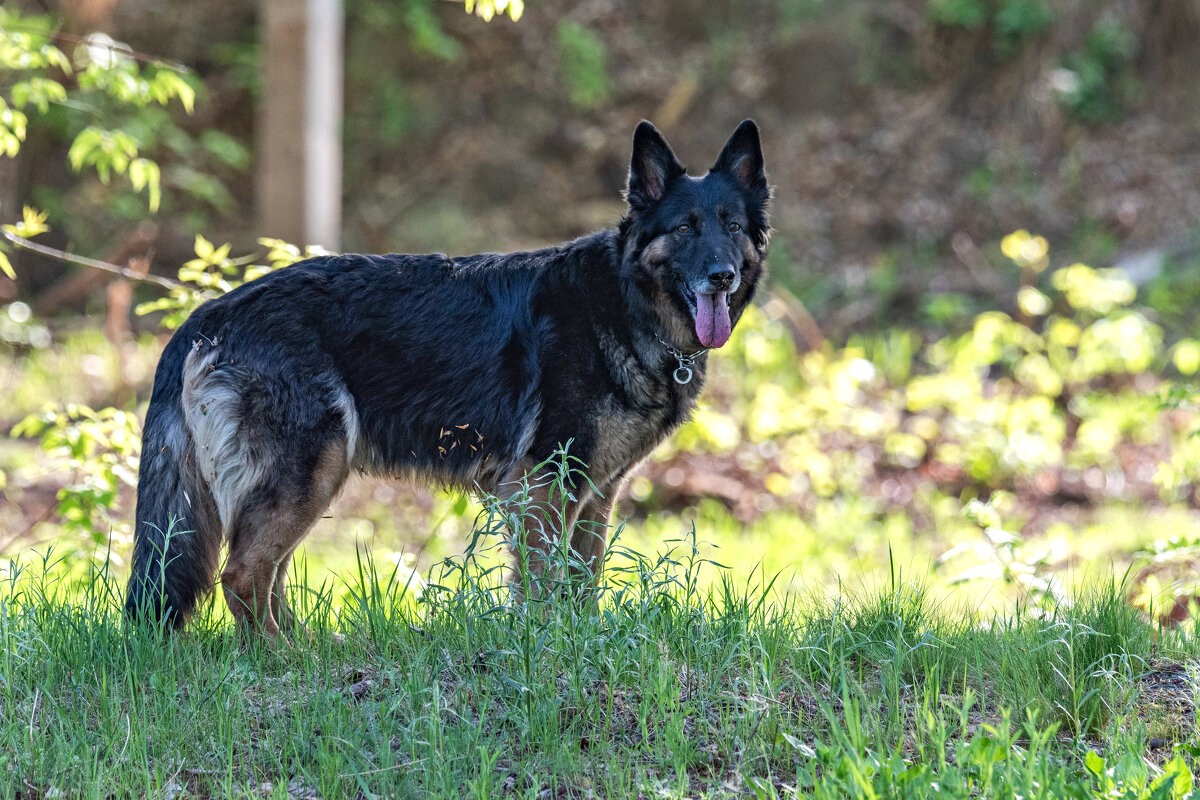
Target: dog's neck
x,y
648,337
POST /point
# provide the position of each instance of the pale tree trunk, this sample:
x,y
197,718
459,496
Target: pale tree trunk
x,y
299,181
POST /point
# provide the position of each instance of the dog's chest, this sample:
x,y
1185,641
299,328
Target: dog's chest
x,y
625,435
644,406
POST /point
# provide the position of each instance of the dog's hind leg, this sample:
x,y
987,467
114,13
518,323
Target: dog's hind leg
x,y
270,524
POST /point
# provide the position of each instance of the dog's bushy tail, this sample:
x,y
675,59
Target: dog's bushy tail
x,y
177,537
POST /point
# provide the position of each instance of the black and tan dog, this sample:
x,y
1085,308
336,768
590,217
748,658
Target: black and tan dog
x,y
267,398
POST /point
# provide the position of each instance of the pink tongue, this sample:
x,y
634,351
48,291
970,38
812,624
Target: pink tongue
x,y
712,319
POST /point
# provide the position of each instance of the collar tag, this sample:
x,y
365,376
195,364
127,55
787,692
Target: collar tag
x,y
683,373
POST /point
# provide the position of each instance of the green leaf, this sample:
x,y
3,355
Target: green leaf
x,y
6,266
85,143
167,84
137,174
144,173
56,58
13,120
486,9
1177,776
32,425
39,91
10,145
227,149
797,745
204,248
1131,771
33,223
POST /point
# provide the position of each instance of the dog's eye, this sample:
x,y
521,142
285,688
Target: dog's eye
x,y
684,229
734,227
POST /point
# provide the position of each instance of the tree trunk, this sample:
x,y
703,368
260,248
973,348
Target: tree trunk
x,y
299,137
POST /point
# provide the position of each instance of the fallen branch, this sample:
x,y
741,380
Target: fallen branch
x,y
61,255
805,330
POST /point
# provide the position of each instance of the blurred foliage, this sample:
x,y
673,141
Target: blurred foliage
x,y
582,55
212,273
425,33
102,100
1069,388
1095,83
103,78
1006,559
992,404
109,107
490,8
1012,22
100,450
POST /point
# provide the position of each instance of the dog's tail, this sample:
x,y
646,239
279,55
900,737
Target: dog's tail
x,y
177,538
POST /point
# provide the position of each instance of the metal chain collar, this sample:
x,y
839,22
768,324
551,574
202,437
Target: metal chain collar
x,y
682,373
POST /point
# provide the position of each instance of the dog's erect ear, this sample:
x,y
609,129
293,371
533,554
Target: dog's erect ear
x,y
742,158
654,166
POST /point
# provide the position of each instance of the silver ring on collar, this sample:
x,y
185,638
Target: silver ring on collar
x,y
683,373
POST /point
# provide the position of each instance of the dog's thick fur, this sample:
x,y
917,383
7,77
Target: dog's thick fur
x,y
465,371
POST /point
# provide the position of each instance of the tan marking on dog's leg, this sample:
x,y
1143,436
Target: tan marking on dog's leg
x,y
246,581
263,540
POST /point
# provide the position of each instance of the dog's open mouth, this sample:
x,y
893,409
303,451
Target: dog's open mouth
x,y
711,312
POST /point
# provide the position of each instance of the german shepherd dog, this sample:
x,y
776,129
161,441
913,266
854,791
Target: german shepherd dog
x,y
465,371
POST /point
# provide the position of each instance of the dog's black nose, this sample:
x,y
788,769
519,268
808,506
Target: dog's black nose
x,y
721,276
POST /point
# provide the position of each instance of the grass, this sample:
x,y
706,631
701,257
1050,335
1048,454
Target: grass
x,y
664,689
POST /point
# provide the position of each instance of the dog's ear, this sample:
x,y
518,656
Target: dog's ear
x,y
654,166
742,159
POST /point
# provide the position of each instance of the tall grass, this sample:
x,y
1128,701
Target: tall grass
x,y
452,686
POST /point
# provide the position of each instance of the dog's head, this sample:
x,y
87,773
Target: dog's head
x,y
696,245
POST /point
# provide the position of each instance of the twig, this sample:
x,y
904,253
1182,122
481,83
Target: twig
x,y
28,528
977,263
112,47
380,769
128,733
32,717
60,255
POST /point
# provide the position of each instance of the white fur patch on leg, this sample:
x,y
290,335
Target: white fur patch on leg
x,y
210,407
345,404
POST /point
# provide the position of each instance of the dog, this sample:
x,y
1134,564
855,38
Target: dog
x,y
465,371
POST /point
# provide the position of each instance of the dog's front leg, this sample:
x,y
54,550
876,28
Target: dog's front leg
x,y
541,517
589,536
